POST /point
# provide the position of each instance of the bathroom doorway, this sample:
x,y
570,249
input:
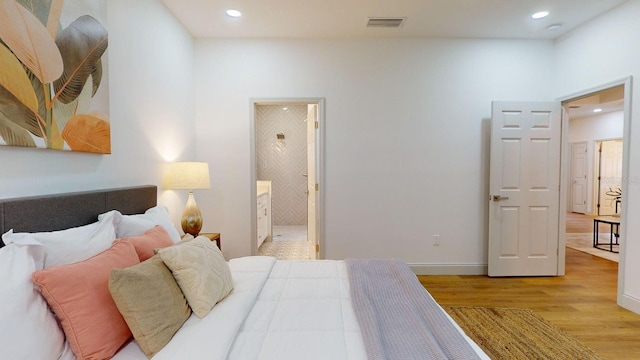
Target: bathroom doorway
x,y
286,171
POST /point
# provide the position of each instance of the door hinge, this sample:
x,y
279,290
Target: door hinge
x,y
317,187
317,124
317,247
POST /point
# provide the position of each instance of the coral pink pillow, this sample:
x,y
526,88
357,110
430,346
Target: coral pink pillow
x,y
154,238
79,295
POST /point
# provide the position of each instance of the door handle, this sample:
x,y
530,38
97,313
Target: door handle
x,y
499,198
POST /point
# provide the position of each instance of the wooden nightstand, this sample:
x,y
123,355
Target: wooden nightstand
x,y
213,237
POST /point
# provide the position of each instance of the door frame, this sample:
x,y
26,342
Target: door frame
x,y
319,144
565,171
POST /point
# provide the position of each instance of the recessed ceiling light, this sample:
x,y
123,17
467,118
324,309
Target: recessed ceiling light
x,y
234,13
597,110
285,108
554,27
540,15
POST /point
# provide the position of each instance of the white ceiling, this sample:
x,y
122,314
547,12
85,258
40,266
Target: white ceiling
x,y
347,18
608,100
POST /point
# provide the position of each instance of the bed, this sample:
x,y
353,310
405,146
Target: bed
x,y
274,309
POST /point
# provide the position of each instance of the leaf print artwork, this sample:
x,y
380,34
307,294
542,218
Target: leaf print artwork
x,y
51,74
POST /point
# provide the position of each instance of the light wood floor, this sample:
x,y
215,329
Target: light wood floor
x,y
582,303
580,223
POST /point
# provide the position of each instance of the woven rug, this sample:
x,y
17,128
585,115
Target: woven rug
x,y
505,333
584,242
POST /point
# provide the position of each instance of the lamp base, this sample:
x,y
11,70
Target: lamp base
x,y
191,217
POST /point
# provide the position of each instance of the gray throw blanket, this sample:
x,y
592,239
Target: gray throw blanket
x,y
397,317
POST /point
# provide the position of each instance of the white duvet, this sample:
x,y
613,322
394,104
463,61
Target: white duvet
x,y
277,310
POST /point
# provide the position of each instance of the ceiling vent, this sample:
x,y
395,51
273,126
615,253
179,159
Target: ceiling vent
x,y
385,22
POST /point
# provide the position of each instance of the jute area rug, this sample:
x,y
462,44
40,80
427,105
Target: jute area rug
x,y
584,242
505,333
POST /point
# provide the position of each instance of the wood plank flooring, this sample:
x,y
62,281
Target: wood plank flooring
x,y
582,303
581,223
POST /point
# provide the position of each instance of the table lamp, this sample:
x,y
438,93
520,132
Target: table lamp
x,y
189,176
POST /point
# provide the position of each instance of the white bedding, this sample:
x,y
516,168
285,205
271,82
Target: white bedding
x,y
277,310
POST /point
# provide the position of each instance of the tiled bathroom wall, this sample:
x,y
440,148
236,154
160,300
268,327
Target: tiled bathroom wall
x,y
283,161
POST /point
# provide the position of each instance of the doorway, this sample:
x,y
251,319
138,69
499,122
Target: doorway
x,y
286,169
608,176
594,115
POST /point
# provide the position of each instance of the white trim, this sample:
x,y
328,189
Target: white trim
x,y
319,162
630,303
565,173
625,301
449,269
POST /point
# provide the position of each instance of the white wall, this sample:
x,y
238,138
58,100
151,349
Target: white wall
x,y
406,136
150,59
594,128
600,127
598,53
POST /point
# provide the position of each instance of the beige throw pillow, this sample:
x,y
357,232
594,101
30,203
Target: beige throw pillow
x,y
201,272
151,303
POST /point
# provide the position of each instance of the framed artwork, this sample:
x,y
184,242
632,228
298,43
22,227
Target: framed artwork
x,y
53,75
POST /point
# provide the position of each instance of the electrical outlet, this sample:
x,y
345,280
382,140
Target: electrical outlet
x,y
436,240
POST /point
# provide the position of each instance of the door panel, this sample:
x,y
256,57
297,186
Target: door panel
x,y
510,231
610,175
579,169
538,230
525,189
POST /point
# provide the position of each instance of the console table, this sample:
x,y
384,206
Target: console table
x,y
614,232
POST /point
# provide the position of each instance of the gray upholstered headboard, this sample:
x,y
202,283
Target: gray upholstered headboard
x,y
62,211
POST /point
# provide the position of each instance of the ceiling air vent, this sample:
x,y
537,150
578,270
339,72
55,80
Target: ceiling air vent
x,y
385,22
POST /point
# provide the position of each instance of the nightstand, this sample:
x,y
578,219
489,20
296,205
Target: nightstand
x,y
213,237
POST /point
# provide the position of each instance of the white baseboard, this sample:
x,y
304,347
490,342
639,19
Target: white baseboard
x,y
630,303
449,269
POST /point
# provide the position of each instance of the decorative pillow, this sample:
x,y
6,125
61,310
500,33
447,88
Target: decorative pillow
x,y
79,295
28,329
152,239
151,303
201,272
134,225
69,245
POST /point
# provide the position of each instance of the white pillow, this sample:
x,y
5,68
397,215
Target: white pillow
x,y
70,245
135,225
29,329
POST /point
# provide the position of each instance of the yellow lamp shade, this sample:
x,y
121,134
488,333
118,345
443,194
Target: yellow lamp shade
x,y
189,176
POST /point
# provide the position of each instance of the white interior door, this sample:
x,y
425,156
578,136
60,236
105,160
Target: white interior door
x,y
524,188
610,175
312,194
579,165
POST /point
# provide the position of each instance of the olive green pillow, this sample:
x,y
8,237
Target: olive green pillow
x,y
201,272
150,302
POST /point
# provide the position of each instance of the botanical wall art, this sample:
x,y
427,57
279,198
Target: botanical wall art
x,y
53,80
